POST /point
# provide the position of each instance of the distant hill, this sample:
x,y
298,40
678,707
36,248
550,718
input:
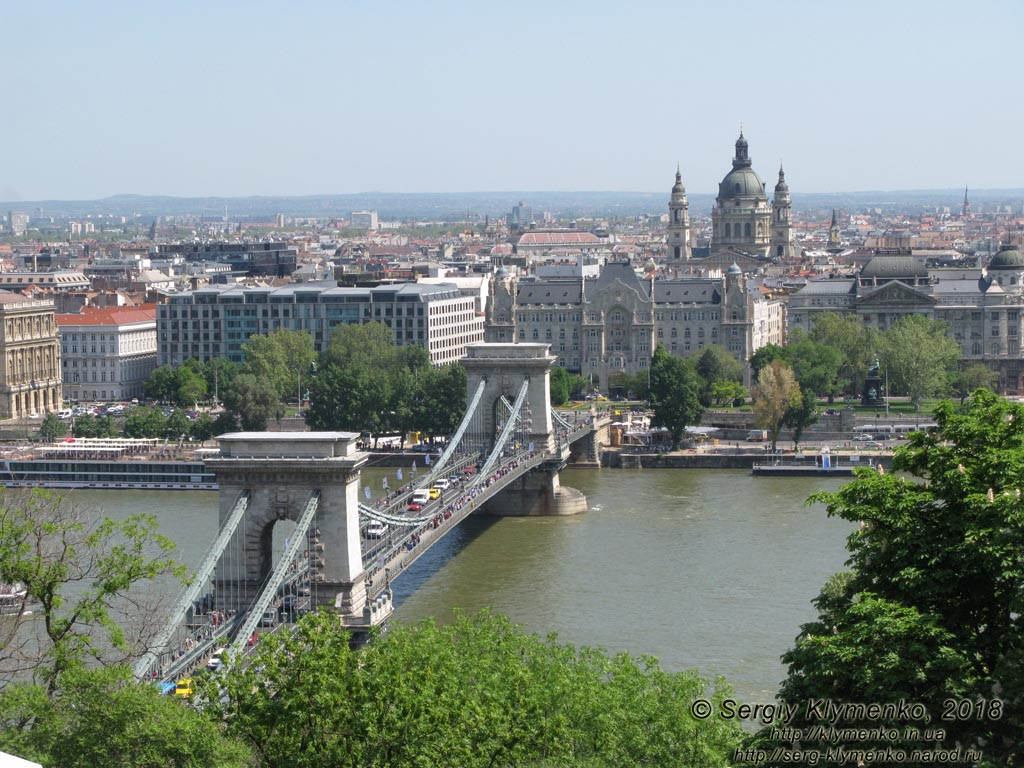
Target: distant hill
x,y
455,205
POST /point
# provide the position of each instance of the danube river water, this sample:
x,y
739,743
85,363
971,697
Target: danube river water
x,y
711,570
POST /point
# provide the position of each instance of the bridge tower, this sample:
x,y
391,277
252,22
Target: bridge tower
x,y
282,472
503,369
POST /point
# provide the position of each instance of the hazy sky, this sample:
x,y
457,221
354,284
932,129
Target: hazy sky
x,y
307,97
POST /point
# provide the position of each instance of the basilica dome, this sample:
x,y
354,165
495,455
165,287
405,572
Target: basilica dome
x,y
741,181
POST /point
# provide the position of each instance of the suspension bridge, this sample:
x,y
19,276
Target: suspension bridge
x,y
503,459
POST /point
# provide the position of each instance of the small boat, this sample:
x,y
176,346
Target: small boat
x,y
12,600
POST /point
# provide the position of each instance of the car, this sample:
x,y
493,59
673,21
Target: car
x,y
861,436
184,688
375,529
443,483
216,660
33,415
435,493
873,445
414,506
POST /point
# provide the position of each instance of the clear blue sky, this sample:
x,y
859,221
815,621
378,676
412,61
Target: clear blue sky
x,y
310,97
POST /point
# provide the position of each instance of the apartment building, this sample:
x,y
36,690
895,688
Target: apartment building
x,y
216,321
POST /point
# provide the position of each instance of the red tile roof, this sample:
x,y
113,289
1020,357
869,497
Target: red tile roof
x,y
110,316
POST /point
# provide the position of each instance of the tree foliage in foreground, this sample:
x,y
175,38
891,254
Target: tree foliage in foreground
x,y
103,717
479,692
933,608
81,576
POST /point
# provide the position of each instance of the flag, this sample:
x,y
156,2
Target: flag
x,y
385,483
366,491
414,466
427,459
399,473
531,446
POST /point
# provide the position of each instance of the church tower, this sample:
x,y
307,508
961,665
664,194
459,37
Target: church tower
x,y
835,244
782,221
678,239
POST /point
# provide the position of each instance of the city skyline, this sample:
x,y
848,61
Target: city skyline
x,y
258,99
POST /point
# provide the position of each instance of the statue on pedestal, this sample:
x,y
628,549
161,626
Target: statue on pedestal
x,y
872,386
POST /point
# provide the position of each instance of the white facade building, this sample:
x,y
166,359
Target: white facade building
x,y
107,354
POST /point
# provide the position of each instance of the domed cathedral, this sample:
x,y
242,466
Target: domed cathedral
x,y
741,218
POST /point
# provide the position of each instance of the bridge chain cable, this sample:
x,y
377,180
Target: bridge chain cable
x,y
510,425
269,592
456,439
191,592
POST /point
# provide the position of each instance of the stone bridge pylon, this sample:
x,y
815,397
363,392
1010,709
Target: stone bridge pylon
x,y
503,368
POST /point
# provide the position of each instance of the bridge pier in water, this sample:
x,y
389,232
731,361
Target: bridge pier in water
x,y
503,369
281,472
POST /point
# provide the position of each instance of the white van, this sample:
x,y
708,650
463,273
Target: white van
x,y
421,496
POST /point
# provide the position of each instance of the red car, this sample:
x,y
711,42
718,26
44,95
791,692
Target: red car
x,y
413,507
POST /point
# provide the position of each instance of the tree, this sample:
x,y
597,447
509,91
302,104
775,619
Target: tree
x,y
917,353
143,421
52,428
815,365
776,394
727,392
95,426
78,572
162,384
104,717
442,402
203,428
856,343
282,358
763,357
479,692
801,415
972,377
559,386
254,401
716,365
191,387
931,609
674,390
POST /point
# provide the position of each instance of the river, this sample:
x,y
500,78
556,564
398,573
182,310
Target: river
x,y
711,570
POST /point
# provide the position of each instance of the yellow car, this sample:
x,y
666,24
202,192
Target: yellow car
x,y
184,688
435,493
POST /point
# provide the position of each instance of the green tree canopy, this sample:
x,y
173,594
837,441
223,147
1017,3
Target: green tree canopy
x,y
560,383
972,377
282,358
143,421
815,365
52,428
674,394
918,355
931,609
856,343
776,394
103,717
715,365
479,692
77,571
254,401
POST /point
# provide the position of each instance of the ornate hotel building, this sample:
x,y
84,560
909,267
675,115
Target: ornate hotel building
x,y
30,381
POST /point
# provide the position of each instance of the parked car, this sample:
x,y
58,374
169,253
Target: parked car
x,y
860,436
873,445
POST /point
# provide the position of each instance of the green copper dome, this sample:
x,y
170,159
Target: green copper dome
x,y
740,182
1007,258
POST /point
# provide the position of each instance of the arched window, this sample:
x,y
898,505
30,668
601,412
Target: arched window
x,y
778,250
746,230
728,230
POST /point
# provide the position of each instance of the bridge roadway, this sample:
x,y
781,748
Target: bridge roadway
x,y
402,547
